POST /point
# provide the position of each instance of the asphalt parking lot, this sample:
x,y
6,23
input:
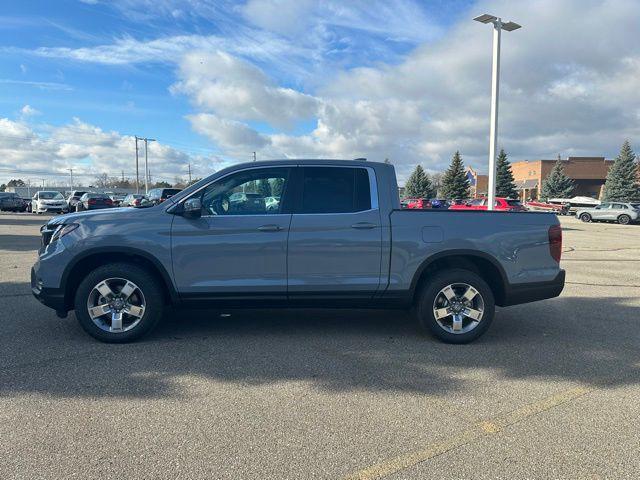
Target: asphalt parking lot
x,y
552,390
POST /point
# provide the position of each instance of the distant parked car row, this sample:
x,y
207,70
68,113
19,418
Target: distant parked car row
x,y
51,201
591,210
501,204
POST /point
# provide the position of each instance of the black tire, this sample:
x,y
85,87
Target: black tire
x,y
431,290
624,219
79,207
148,284
585,217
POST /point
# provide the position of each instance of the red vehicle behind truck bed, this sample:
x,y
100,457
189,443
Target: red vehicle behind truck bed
x,y
502,204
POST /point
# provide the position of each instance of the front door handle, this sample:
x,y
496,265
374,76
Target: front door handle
x,y
364,225
270,228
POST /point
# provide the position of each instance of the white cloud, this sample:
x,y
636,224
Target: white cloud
x,y
229,134
89,150
236,89
39,85
29,111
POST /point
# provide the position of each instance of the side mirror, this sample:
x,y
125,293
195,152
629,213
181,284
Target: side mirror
x,y
192,208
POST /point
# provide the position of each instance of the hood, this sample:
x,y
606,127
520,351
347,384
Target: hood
x,y
79,217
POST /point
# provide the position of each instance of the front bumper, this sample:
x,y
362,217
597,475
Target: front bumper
x,y
51,208
50,297
534,291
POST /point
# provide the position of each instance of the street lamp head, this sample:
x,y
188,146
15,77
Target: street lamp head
x,y
510,26
485,18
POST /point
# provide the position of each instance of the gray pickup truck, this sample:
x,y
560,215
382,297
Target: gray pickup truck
x,y
305,233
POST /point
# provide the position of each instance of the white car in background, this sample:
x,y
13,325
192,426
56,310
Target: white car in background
x,y
48,201
621,212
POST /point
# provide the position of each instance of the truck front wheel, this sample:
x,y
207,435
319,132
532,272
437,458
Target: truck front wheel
x,y
456,306
118,303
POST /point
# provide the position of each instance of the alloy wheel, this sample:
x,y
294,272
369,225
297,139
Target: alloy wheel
x,y
458,308
116,305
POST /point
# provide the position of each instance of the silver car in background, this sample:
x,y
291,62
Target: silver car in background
x,y
621,212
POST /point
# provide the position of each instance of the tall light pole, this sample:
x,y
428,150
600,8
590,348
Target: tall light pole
x,y
498,26
71,179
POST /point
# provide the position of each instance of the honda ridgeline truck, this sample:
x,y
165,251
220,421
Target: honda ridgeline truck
x,y
306,233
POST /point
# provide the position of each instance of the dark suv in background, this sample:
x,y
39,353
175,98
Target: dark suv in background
x,y
12,202
159,195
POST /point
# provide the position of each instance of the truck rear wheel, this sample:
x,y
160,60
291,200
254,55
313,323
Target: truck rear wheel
x,y
118,303
456,306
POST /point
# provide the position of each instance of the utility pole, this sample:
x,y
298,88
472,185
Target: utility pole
x,y
122,173
42,183
146,162
137,172
254,156
71,179
189,174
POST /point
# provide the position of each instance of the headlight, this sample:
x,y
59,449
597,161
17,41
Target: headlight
x,y
62,230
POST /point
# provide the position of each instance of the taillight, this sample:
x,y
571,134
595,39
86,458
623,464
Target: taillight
x,y
91,201
108,201
555,242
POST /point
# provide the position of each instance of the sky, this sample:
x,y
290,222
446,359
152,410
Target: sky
x,y
214,81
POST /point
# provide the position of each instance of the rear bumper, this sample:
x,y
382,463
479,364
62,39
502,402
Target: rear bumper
x,y
531,292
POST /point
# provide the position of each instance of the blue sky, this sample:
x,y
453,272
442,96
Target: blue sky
x,y
128,97
214,81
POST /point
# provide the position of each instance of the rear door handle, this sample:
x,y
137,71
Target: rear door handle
x,y
270,228
364,225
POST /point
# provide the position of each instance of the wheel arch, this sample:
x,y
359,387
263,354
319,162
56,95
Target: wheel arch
x,y
478,262
75,271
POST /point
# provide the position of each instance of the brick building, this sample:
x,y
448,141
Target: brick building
x,y
588,173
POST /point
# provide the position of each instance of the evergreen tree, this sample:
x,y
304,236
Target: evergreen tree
x,y
622,179
455,184
557,184
419,184
505,185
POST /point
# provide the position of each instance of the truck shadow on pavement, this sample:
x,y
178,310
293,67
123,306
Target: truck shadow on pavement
x,y
591,341
19,243
21,221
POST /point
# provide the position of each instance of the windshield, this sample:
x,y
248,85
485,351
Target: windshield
x,y
51,196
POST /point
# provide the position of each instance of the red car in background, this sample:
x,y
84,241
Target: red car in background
x,y
502,204
418,203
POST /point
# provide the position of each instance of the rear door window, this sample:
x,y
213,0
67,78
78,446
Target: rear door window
x,y
335,190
